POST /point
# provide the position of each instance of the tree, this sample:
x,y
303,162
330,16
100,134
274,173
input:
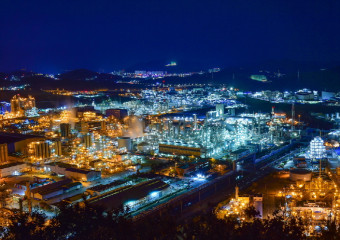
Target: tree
x,y
86,222
4,195
25,226
331,231
251,213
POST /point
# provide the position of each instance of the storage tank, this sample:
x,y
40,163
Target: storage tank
x,y
300,175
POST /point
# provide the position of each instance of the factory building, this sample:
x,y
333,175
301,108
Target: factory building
x,y
238,204
240,153
101,189
45,192
56,148
17,142
144,147
87,139
327,95
97,164
3,153
231,112
181,150
300,162
79,111
19,105
185,169
11,169
41,150
82,174
125,142
131,195
117,113
82,127
55,189
58,167
5,107
220,110
70,171
72,186
211,115
65,130
258,204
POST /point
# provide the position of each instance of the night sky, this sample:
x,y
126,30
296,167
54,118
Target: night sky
x,y
59,35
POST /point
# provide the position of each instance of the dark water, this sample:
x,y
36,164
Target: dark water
x,y
54,101
201,113
106,97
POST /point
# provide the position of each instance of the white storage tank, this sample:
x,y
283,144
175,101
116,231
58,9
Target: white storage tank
x,y
300,175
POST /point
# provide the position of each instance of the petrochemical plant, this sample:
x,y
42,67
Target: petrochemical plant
x,y
164,146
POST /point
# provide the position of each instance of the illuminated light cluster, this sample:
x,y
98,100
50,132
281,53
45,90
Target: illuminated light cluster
x,y
317,149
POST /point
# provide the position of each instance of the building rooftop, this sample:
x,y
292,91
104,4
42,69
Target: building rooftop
x,y
77,170
185,166
72,184
300,171
74,198
240,151
51,187
61,164
102,187
11,165
116,198
15,137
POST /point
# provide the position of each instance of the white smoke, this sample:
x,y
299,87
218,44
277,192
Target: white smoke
x,y
135,127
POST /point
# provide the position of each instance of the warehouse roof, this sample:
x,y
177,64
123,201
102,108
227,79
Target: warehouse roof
x,y
11,165
102,187
61,164
72,184
51,187
15,137
116,198
240,151
77,170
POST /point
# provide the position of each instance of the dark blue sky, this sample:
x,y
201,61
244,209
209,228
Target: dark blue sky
x,y
56,35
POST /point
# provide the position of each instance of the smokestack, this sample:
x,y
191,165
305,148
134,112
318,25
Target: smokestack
x,y
195,121
293,116
236,192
